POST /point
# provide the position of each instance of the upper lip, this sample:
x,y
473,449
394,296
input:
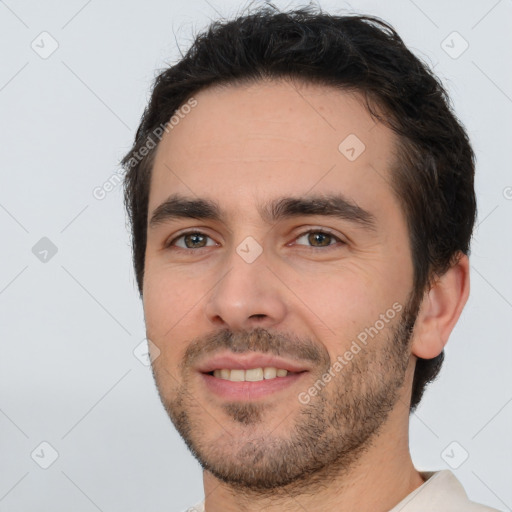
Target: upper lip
x,y
247,361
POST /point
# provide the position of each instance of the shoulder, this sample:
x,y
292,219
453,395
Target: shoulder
x,y
441,492
196,508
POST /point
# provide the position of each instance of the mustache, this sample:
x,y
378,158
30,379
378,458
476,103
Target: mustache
x,y
257,340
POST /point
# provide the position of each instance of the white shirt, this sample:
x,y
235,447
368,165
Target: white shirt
x,y
441,492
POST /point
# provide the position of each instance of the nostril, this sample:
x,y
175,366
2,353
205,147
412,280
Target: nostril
x,y
258,316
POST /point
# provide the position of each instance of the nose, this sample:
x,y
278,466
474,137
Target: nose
x,y
248,295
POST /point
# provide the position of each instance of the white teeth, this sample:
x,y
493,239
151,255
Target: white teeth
x,y
269,373
254,375
251,375
237,376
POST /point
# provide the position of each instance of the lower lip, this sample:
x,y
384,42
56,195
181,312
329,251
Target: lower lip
x,y
248,390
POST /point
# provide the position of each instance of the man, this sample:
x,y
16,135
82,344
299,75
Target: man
x,y
302,203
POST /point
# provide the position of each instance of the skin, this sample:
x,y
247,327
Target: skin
x,y
241,146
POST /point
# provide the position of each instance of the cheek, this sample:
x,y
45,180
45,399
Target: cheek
x,y
349,291
168,301
343,302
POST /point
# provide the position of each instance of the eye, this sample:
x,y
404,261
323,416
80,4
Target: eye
x,y
191,240
318,239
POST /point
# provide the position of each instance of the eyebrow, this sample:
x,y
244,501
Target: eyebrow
x,y
334,205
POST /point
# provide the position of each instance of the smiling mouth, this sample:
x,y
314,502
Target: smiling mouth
x,y
251,374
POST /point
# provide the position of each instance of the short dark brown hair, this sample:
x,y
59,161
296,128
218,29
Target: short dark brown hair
x,y
434,172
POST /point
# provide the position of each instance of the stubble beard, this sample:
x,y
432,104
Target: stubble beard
x,y
328,435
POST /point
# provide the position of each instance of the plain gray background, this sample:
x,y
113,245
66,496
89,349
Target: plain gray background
x,y
71,321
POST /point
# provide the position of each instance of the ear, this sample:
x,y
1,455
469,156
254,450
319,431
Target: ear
x,y
440,309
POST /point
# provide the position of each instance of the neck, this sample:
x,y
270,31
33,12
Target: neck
x,y
381,476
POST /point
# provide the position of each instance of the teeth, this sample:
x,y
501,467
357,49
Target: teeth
x,y
269,373
251,375
237,376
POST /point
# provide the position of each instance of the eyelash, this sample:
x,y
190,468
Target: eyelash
x,y
169,245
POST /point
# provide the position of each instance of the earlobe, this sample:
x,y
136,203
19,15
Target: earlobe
x,y
440,310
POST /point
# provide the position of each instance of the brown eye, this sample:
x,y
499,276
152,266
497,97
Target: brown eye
x,y
318,239
192,240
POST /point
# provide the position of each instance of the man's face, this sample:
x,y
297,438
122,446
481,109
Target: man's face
x,y
256,276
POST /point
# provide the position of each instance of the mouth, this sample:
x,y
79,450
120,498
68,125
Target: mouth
x,y
249,376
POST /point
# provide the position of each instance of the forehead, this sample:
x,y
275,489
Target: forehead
x,y
243,143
